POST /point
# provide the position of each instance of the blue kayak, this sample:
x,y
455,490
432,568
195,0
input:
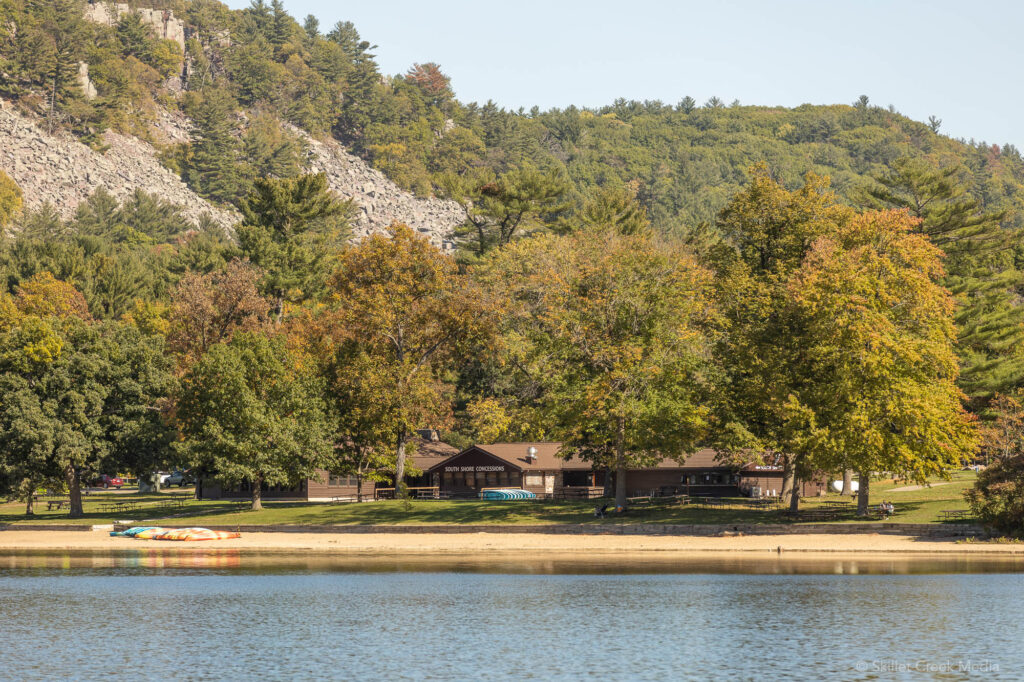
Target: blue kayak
x,y
507,494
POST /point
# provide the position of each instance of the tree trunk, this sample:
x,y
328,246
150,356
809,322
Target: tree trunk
x,y
620,464
794,493
278,308
847,482
199,487
257,494
788,476
609,482
29,501
863,481
359,487
400,465
74,493
53,99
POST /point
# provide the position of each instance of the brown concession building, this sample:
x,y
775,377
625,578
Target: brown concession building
x,y
540,468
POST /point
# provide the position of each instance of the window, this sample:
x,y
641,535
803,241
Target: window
x,y
338,480
533,480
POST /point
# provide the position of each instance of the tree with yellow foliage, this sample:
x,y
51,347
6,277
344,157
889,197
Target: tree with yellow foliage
x,y
10,199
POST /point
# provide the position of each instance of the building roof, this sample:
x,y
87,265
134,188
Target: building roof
x,y
431,452
548,458
516,454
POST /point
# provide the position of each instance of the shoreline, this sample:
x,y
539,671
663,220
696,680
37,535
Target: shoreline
x,y
502,545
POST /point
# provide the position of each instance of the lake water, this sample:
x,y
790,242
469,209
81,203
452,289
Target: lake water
x,y
228,616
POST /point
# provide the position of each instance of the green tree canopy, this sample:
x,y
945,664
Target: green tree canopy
x,y
250,412
616,330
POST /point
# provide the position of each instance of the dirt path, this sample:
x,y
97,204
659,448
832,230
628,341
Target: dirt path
x,y
910,488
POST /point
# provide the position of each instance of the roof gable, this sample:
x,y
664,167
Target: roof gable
x,y
472,459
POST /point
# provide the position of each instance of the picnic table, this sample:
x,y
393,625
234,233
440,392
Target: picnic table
x,y
120,506
955,514
59,504
340,499
838,504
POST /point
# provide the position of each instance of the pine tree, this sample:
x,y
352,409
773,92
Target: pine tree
x,y
979,270
280,25
290,229
213,169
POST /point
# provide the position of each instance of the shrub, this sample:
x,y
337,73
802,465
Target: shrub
x,y
998,495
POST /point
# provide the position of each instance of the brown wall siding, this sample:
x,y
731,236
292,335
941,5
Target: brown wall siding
x,y
323,488
773,481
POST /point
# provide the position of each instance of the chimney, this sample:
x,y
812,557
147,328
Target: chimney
x,y
429,435
531,454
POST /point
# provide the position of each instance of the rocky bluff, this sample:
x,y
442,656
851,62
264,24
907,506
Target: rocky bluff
x,y
59,170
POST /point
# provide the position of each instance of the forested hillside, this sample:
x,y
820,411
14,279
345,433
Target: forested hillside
x,y
835,288
253,83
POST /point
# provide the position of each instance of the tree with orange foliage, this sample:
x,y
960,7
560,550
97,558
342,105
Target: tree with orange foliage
x,y
429,78
208,309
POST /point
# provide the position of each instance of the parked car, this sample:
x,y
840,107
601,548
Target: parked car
x,y
105,481
179,478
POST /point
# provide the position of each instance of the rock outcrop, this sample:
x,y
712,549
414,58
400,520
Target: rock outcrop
x,y
62,171
162,22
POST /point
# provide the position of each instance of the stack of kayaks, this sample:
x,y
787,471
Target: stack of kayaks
x,y
180,534
507,494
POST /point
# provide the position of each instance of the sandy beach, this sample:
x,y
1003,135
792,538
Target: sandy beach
x,y
502,543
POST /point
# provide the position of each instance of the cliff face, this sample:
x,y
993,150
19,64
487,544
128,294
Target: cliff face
x,y
60,170
162,22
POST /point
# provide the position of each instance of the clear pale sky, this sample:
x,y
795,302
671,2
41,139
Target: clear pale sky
x,y
959,61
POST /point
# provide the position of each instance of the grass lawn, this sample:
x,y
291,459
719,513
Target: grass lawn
x,y
915,506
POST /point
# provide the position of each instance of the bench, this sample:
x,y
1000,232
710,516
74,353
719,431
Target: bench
x,y
342,499
813,514
955,514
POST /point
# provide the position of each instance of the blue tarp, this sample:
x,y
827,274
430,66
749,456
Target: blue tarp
x,y
132,532
507,494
